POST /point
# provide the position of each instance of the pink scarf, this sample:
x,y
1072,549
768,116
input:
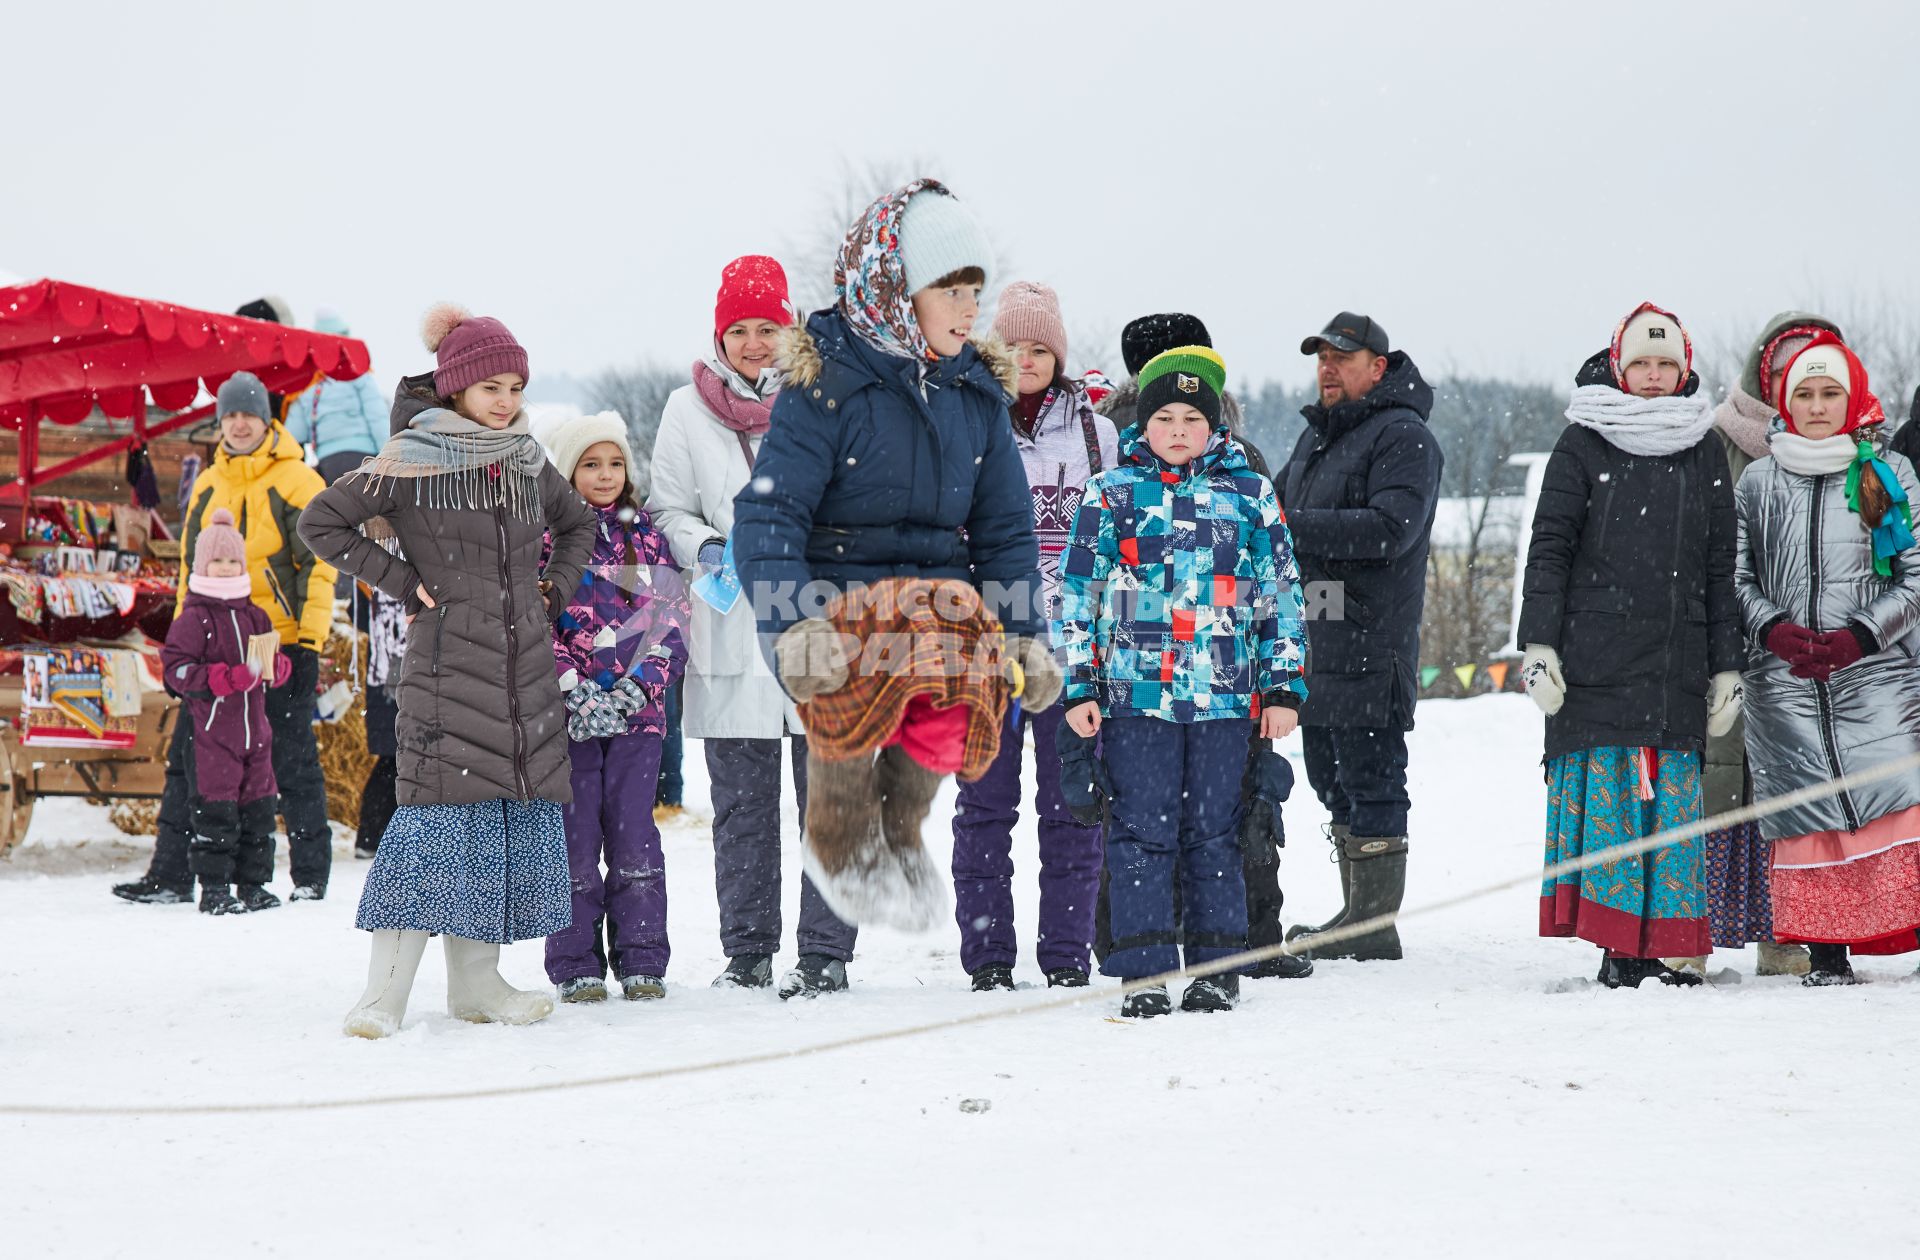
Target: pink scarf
x,y
1745,419
751,416
235,587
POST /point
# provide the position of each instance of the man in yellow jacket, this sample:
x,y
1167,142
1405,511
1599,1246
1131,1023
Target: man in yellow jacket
x,y
260,475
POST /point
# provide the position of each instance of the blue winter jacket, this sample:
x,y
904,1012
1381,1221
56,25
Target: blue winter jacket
x,y
337,417
1180,596
872,470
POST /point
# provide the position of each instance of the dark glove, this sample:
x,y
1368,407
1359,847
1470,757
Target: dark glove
x,y
1266,786
1789,642
1083,778
1834,651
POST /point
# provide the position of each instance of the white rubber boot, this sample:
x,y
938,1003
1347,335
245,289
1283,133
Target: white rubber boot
x,y
479,994
396,957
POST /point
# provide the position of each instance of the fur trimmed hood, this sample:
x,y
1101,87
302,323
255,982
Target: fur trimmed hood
x,y
799,358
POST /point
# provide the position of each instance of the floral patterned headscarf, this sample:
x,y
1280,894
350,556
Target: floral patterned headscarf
x,y
870,281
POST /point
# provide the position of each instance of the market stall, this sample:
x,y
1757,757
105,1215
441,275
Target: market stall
x,y
89,587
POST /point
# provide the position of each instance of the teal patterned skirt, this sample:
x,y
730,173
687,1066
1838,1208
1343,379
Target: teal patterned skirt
x,y
1650,906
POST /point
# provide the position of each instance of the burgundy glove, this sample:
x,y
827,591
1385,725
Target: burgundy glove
x,y
224,680
1790,643
1831,652
282,669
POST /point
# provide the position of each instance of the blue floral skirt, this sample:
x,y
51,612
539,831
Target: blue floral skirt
x,y
489,871
1650,906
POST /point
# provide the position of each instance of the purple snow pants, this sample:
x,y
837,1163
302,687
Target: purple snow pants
x,y
612,815
1070,857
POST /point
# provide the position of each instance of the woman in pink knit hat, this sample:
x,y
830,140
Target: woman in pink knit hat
x,y
1063,443
464,497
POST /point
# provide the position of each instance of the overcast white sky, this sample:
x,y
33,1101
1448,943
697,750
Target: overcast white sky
x,y
1496,183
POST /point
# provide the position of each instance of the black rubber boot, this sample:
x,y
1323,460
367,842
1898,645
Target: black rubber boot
x,y
1830,967
1337,834
1622,973
1379,872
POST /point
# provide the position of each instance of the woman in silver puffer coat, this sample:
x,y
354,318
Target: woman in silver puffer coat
x,y
1828,575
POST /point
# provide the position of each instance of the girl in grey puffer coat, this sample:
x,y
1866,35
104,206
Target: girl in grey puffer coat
x,y
1828,575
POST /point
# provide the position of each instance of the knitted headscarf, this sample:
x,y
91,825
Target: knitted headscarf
x,y
870,280
1874,493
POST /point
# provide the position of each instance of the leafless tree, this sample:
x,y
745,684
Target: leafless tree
x,y
638,392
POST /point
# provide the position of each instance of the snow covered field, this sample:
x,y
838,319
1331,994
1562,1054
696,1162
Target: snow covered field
x,y
1468,1101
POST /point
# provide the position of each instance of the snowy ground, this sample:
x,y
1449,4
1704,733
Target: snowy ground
x,y
1466,1101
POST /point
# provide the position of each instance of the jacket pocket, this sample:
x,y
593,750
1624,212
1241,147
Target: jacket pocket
x,y
1596,644
439,635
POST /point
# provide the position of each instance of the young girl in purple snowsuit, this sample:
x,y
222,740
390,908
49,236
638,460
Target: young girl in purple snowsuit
x,y
205,661
618,647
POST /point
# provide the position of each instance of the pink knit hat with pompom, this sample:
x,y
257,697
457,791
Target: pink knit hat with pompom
x,y
218,540
470,348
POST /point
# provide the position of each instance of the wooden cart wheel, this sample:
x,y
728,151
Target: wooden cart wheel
x,y
16,799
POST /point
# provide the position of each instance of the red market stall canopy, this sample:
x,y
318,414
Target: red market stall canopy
x,y
66,349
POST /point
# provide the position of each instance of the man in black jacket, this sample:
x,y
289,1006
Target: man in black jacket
x,y
1359,493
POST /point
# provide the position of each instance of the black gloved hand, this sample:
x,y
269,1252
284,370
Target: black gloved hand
x,y
1268,783
1083,778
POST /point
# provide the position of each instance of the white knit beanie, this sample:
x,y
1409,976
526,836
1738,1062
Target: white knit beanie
x,y
568,440
1818,361
1652,335
939,236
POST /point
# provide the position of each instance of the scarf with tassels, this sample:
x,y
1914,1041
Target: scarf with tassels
x,y
1851,453
455,462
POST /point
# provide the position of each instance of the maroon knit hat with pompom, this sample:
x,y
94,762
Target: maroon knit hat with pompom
x,y
469,348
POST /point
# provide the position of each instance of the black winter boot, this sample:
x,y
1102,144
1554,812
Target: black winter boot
x,y
1622,973
1146,1003
219,899
746,971
147,891
1379,874
1281,967
254,897
1830,967
992,976
813,975
1067,978
1212,993
1337,834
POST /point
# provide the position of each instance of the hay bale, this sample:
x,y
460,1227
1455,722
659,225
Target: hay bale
x,y
344,758
136,818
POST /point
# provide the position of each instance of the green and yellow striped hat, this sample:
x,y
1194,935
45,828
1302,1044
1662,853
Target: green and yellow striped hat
x,y
1195,375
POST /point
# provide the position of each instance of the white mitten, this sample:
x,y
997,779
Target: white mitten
x,y
1540,671
1723,702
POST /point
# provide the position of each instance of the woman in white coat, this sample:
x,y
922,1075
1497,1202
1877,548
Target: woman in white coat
x,y
710,434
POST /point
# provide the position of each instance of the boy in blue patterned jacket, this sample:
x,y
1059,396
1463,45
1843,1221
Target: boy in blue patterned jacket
x,y
1182,627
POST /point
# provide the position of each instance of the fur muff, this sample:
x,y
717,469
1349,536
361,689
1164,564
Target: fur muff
x,y
854,808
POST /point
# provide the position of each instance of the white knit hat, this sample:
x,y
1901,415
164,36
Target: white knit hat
x,y
1818,361
1652,335
568,440
939,236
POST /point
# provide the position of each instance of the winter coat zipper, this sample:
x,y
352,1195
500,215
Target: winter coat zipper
x,y
1822,691
513,656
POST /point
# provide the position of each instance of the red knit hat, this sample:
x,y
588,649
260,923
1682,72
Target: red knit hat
x,y
469,348
753,287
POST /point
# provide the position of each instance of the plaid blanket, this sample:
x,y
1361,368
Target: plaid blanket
x,y
908,637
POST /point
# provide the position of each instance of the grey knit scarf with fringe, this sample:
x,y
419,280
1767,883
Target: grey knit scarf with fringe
x,y
451,461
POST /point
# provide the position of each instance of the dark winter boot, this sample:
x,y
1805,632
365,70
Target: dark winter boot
x,y
583,989
992,976
1067,978
254,897
308,892
1212,993
1337,834
1281,967
219,899
1146,1003
1678,977
746,971
813,975
147,891
1830,967
1379,873
1622,973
